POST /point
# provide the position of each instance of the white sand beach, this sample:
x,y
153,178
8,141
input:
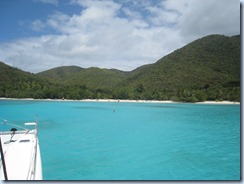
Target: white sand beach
x,y
123,101
156,101
128,101
218,102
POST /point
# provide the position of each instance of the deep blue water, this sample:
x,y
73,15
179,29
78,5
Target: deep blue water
x,y
133,141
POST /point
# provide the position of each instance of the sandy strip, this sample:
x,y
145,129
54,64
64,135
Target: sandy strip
x,y
92,100
155,101
218,102
128,101
114,100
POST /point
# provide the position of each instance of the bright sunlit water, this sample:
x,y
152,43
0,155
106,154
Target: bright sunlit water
x,y
133,141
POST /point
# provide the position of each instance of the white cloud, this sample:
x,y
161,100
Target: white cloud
x,y
131,14
100,36
37,25
163,18
208,17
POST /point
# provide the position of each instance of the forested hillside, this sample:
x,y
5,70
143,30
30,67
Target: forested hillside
x,y
61,73
96,78
15,83
206,69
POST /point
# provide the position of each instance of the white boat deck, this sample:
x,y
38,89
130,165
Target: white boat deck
x,y
21,155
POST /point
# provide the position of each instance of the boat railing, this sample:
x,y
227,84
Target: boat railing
x,y
22,129
10,124
10,132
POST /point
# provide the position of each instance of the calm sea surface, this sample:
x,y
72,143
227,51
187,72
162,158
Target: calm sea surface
x,y
133,141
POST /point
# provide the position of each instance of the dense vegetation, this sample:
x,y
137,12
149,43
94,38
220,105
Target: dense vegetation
x,y
206,69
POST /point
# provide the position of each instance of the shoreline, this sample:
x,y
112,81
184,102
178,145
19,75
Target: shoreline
x,y
123,101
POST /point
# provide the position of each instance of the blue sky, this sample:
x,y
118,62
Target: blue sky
x,y
17,16
37,35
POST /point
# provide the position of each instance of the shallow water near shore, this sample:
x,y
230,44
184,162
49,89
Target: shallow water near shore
x,y
133,141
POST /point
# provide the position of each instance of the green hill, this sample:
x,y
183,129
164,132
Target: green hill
x,y
60,72
97,82
212,63
211,60
95,78
99,78
206,69
15,83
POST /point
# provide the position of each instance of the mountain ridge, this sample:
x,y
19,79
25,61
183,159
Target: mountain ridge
x,y
60,72
205,69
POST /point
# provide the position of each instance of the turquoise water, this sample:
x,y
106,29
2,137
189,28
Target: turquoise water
x,y
133,141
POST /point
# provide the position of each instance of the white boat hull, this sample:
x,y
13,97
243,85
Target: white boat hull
x,y
22,156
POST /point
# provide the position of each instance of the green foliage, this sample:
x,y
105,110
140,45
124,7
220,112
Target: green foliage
x,y
61,72
206,69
